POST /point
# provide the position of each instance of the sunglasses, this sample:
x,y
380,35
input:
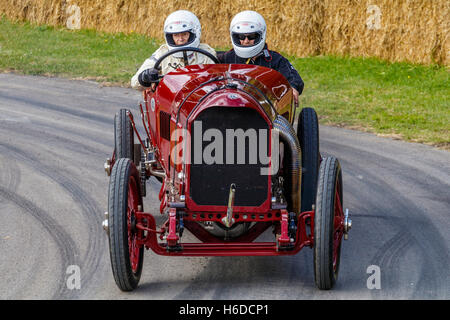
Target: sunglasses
x,y
252,36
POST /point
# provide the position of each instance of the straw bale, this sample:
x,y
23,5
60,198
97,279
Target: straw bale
x,y
409,30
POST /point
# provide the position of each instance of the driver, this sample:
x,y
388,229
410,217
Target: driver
x,y
248,35
181,29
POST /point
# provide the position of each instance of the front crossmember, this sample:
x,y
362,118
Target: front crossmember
x,y
286,242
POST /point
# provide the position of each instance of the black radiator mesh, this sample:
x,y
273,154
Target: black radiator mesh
x,y
210,183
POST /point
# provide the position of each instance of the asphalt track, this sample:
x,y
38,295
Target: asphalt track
x,y
55,135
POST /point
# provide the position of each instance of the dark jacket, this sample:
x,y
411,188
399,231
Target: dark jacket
x,y
270,59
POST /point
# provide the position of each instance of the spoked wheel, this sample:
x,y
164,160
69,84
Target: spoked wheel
x,y
123,135
308,136
328,224
123,202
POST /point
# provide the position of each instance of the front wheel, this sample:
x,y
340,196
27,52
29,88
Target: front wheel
x,y
308,136
328,224
123,135
124,201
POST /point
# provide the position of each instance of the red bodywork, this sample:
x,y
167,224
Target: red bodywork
x,y
183,95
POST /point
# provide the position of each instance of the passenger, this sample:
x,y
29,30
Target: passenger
x,y
248,36
181,29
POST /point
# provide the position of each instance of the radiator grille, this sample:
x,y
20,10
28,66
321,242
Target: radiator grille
x,y
210,183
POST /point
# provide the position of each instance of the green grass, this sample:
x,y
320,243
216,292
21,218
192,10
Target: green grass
x,y
402,100
406,101
411,102
46,50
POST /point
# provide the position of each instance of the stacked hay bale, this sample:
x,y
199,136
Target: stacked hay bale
x,y
411,30
403,30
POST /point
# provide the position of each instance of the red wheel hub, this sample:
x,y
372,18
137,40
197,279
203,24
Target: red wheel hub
x,y
132,208
338,227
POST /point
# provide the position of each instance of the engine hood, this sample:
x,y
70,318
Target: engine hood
x,y
188,85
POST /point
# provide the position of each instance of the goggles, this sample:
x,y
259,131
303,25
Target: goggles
x,y
238,37
251,36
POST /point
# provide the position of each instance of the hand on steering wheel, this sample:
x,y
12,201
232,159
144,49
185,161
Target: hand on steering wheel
x,y
151,77
185,49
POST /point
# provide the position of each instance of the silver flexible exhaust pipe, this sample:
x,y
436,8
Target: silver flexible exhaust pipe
x,y
289,137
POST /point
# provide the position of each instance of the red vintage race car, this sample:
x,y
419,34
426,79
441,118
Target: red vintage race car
x,y
221,141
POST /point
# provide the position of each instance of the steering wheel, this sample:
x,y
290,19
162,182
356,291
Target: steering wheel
x,y
185,49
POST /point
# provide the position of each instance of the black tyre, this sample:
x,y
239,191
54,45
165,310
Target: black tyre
x,y
328,224
123,135
308,136
123,201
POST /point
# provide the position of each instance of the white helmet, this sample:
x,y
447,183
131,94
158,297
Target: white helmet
x,y
182,21
248,22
